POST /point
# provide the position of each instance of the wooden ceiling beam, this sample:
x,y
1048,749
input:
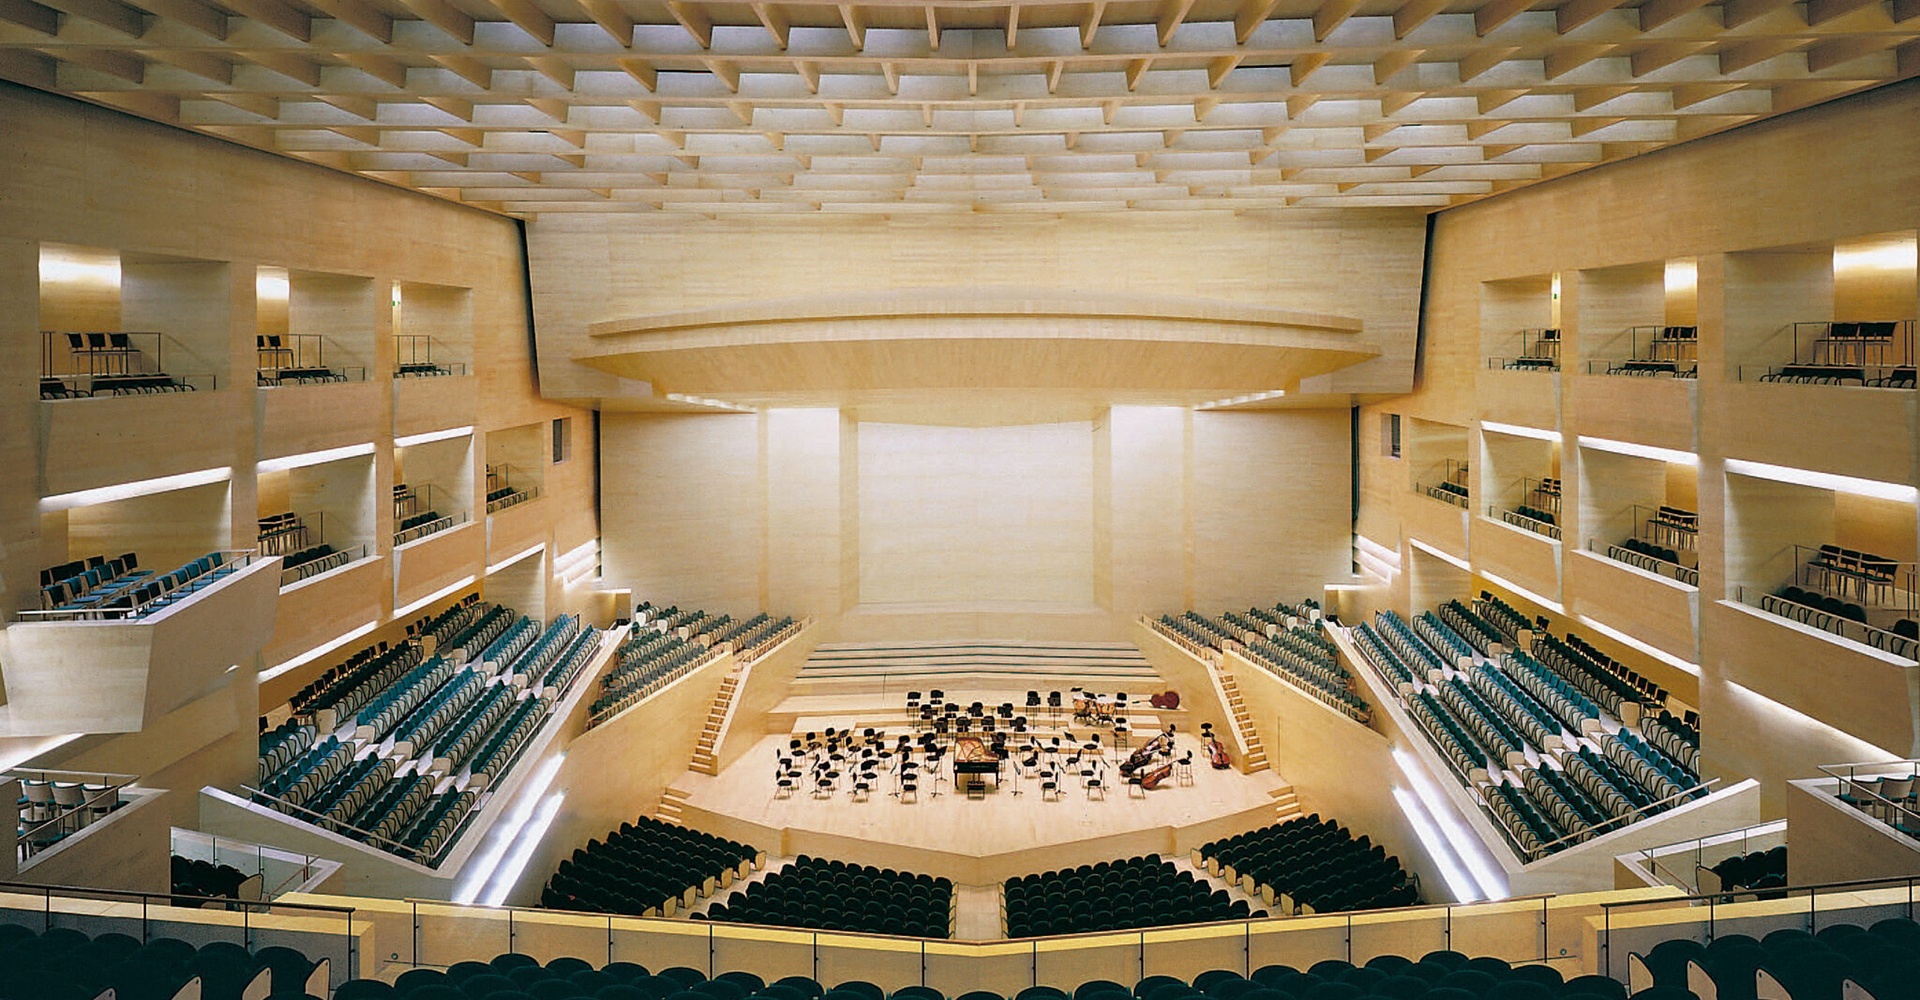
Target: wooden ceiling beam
x,y
30,15
200,63
646,73
1090,22
1574,13
1734,13
1013,25
1655,13
1172,14
276,15
774,18
1495,13
383,68
1752,52
1820,12
192,13
856,24
113,62
933,28
106,13
445,16
286,64
529,18
612,19
358,16
467,68
1415,13
1330,15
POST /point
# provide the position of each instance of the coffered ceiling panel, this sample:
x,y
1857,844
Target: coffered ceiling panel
x,y
905,106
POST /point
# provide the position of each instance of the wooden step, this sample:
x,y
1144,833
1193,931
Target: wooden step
x,y
672,792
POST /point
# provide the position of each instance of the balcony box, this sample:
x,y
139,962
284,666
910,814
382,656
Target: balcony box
x,y
1845,684
1524,557
1661,612
1651,411
297,419
421,405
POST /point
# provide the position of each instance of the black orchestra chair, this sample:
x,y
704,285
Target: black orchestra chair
x,y
1310,865
832,895
1134,893
645,865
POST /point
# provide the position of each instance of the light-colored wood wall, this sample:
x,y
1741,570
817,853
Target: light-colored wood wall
x,y
1149,510
588,269
191,220
1757,213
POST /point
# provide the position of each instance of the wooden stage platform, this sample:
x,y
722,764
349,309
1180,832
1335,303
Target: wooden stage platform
x,y
983,840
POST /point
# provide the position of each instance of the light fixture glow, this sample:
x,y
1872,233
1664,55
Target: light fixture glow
x,y
430,598
1639,450
704,401
1855,747
318,651
1519,591
1648,648
523,851
1824,480
1465,843
139,488
272,284
1683,275
314,458
431,436
1446,557
26,753
1251,397
483,867
1423,829
1516,430
58,266
1377,550
1899,255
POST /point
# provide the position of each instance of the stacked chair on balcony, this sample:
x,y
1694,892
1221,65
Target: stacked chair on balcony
x,y
1310,865
206,880
1115,895
1758,870
645,866
818,894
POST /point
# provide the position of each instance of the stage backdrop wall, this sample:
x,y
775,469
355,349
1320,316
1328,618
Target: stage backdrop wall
x,y
1058,530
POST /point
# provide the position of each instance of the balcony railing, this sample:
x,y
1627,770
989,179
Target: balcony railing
x,y
1526,522
58,804
1876,354
1677,572
323,562
1446,492
299,359
1883,790
115,364
1817,616
413,358
1654,351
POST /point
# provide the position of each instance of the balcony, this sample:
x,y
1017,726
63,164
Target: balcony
x,y
118,675
512,528
1660,412
298,418
1846,684
1528,396
320,607
1516,553
105,441
1647,605
1848,431
436,561
1440,520
424,405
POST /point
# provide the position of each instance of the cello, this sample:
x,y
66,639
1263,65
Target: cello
x,y
1216,751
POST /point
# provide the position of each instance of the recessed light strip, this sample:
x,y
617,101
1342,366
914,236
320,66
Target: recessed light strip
x,y
1648,648
1516,430
1519,591
1639,450
140,488
1446,557
1824,480
430,598
531,550
431,436
314,458
318,651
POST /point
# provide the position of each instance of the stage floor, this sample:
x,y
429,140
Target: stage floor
x,y
981,840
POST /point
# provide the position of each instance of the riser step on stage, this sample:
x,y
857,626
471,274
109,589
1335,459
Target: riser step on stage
x,y
963,664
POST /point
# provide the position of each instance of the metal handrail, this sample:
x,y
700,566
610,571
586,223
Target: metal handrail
x,y
1677,572
1631,816
1522,521
1822,620
326,822
1853,781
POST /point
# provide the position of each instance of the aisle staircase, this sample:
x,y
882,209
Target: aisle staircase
x,y
706,758
1286,805
672,799
1255,755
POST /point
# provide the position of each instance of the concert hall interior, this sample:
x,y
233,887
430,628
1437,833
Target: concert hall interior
x,y
960,499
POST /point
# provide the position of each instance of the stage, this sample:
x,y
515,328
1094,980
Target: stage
x,y
984,840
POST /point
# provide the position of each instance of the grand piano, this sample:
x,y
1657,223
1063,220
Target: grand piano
x,y
973,760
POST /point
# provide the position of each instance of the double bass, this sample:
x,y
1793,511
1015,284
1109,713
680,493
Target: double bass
x,y
1152,779
1215,750
1161,743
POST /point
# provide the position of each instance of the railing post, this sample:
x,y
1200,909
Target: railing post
x,y
609,939
510,931
413,908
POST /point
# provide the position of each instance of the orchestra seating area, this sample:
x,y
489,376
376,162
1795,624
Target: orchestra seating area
x,y
1757,870
646,866
65,964
818,894
667,642
1283,640
1560,742
1310,865
396,747
98,588
204,880
1115,895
